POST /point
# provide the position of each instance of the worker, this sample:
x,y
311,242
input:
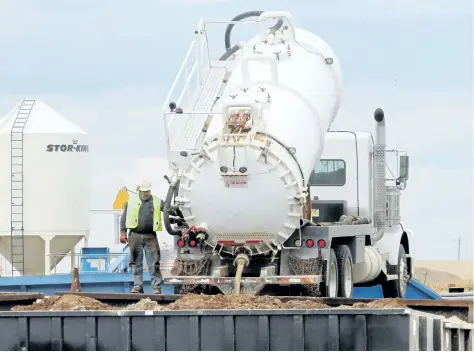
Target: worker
x,y
142,217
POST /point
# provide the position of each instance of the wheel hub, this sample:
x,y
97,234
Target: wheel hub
x,y
348,278
332,285
403,275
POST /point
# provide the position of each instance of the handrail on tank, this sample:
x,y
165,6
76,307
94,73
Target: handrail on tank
x,y
168,115
178,76
199,52
173,88
186,85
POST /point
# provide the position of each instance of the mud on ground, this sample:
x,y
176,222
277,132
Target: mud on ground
x,y
81,303
144,304
211,302
68,302
195,302
387,303
242,301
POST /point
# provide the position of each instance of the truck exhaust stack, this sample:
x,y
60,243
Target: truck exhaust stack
x,y
379,179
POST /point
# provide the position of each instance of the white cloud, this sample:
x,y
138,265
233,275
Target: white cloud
x,y
17,18
427,124
437,206
388,9
201,2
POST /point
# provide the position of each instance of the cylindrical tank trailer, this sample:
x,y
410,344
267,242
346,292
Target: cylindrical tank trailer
x,y
248,182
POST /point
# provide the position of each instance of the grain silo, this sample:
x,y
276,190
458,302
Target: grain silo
x,y
44,187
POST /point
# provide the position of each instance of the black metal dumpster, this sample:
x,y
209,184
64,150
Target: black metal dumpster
x,y
239,330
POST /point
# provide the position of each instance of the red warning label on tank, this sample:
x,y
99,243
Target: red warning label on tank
x,y
236,181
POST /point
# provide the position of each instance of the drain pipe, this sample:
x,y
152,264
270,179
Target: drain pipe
x,y
242,260
379,176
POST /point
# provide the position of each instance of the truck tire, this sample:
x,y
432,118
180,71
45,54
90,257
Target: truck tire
x,y
397,288
344,268
331,277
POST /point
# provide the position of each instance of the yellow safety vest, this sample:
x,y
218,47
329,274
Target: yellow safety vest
x,y
133,208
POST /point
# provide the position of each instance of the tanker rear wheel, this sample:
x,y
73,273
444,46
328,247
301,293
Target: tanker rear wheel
x,y
330,286
344,264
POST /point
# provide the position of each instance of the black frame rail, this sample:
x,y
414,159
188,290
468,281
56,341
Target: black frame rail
x,y
10,299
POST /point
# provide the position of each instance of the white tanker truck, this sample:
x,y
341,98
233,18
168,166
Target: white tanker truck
x,y
264,196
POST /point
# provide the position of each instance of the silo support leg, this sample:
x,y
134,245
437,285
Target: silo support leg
x,y
73,257
47,253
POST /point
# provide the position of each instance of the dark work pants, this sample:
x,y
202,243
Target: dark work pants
x,y
138,244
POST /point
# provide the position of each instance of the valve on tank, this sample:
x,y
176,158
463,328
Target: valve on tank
x,y
196,237
201,237
239,120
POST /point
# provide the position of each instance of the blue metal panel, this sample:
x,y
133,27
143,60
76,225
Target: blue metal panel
x,y
368,292
94,259
120,264
123,282
90,282
415,290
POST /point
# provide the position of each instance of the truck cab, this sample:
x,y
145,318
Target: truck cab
x,y
342,184
344,172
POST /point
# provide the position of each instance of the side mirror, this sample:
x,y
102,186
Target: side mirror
x,y
404,167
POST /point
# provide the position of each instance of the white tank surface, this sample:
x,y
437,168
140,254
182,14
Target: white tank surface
x,y
249,183
55,187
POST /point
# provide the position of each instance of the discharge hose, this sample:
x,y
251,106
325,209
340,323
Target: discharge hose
x,y
242,260
166,212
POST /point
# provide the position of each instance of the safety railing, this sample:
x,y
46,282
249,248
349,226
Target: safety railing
x,y
90,263
193,91
100,263
199,82
189,79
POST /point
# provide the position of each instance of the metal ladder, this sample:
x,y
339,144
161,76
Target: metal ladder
x,y
17,231
190,125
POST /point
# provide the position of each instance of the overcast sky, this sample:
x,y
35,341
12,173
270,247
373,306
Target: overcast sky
x,y
107,65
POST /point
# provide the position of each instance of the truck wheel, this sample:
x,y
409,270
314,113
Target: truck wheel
x,y
397,288
331,282
344,265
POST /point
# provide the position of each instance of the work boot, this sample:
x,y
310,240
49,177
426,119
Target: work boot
x,y
137,289
157,290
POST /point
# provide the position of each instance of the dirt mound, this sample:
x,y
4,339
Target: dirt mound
x,y
67,302
72,302
197,302
456,319
386,303
243,301
144,304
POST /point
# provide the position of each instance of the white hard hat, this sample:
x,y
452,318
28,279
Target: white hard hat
x,y
145,186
